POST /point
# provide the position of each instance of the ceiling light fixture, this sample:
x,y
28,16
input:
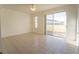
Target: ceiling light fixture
x,y
33,7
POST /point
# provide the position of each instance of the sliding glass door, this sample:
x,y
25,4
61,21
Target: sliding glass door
x,y
56,24
49,24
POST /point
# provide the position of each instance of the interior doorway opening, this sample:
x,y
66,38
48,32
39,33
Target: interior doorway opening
x,y
56,24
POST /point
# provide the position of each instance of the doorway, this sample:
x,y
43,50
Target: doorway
x,y
56,24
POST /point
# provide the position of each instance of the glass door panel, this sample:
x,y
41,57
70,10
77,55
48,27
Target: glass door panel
x,y
59,26
49,24
56,24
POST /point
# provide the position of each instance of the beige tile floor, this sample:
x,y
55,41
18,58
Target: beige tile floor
x,y
32,43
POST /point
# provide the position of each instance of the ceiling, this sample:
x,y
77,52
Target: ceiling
x,y
26,7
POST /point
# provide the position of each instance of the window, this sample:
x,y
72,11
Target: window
x,y
36,22
56,24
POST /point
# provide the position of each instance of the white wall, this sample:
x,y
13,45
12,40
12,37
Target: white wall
x,y
0,30
71,22
14,22
78,25
78,19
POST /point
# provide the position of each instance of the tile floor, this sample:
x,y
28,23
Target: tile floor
x,y
33,43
